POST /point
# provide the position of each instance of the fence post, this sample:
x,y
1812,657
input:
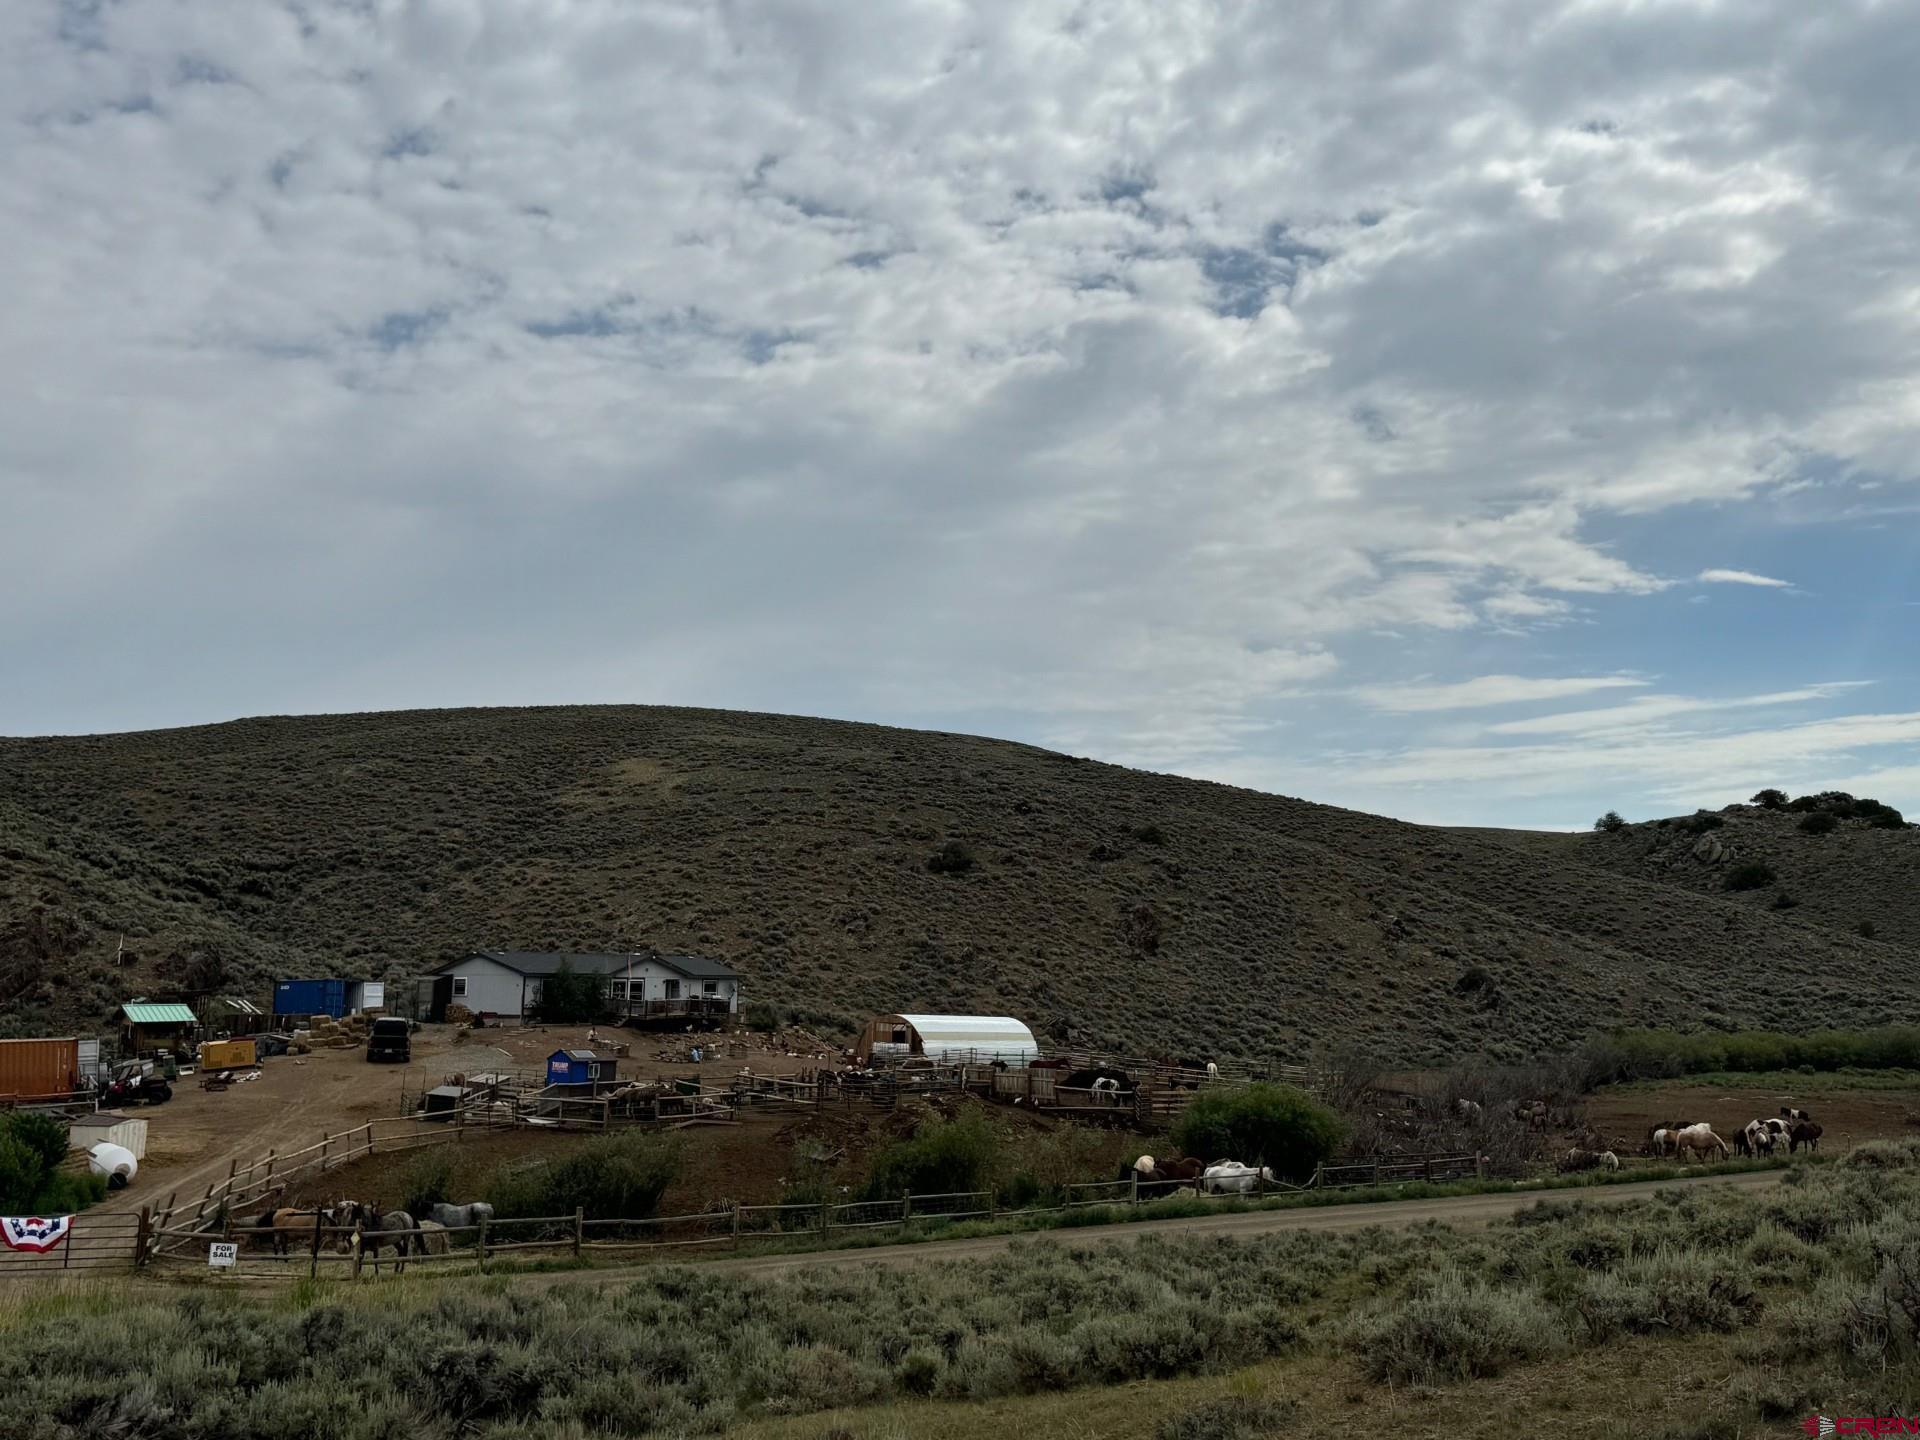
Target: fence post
x,y
736,1224
826,1213
1133,1187
143,1237
579,1227
906,1209
483,1242
313,1262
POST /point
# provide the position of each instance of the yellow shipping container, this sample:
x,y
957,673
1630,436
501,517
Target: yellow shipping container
x,y
227,1054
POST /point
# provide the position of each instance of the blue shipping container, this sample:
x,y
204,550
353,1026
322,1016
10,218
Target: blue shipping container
x,y
310,997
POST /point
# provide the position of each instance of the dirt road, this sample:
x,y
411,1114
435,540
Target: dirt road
x,y
1459,1210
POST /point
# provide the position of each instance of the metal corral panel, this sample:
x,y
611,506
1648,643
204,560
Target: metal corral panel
x,y
310,997
974,1037
90,1068
39,1067
126,1131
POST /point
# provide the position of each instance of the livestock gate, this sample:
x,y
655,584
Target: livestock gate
x,y
89,1243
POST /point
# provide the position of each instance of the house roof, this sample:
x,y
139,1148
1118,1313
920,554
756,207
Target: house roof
x,y
152,1012
697,967
548,962
576,1054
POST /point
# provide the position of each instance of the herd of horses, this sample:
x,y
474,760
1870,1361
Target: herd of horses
x,y
361,1230
1793,1127
1221,1177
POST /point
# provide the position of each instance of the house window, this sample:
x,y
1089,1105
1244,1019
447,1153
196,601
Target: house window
x,y
673,989
710,987
533,990
617,989
459,987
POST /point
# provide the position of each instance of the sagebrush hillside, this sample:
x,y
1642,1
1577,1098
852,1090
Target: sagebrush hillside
x,y
1855,873
1128,909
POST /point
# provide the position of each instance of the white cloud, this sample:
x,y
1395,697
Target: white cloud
x,y
1115,375
1743,577
1487,690
1644,710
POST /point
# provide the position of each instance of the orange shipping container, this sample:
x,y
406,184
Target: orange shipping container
x,y
39,1067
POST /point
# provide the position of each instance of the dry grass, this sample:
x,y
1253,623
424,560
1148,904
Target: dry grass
x,y
798,849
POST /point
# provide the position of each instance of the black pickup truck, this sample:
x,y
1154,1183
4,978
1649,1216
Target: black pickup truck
x,y
389,1039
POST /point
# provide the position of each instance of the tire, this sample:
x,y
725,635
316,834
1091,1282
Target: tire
x,y
159,1094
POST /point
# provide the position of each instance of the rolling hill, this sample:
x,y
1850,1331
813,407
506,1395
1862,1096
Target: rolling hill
x,y
1126,909
1851,875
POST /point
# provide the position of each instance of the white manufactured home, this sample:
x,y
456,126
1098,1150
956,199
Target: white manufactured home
x,y
638,985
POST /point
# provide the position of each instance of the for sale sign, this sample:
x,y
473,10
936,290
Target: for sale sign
x,y
222,1253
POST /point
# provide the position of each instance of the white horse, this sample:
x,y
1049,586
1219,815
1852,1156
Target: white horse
x,y
1609,1160
1143,1167
1230,1177
1757,1138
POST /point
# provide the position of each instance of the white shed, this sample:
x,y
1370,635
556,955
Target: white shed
x,y
971,1039
111,1126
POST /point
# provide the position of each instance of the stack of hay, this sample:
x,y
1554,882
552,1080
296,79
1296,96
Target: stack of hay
x,y
328,1033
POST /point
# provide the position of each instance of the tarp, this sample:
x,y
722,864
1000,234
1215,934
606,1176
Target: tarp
x,y
34,1232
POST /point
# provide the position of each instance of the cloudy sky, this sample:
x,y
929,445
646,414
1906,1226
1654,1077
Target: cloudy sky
x,y
1483,413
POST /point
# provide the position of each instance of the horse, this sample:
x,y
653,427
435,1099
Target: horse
x,y
1790,1115
1804,1132
372,1231
1230,1177
1469,1111
1578,1159
1756,1139
1699,1139
291,1227
460,1217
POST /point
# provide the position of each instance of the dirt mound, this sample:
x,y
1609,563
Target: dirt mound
x,y
1107,906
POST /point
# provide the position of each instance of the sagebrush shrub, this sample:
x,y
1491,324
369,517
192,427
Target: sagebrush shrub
x,y
1458,1328
1232,1417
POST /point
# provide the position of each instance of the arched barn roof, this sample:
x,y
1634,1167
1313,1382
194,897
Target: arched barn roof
x,y
987,1036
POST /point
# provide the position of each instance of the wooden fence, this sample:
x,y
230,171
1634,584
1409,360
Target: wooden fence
x,y
260,1181
325,1251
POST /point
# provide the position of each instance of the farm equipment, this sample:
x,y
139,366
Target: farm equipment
x,y
135,1082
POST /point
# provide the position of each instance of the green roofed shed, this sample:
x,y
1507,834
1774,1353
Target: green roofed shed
x,y
156,1012
156,1025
